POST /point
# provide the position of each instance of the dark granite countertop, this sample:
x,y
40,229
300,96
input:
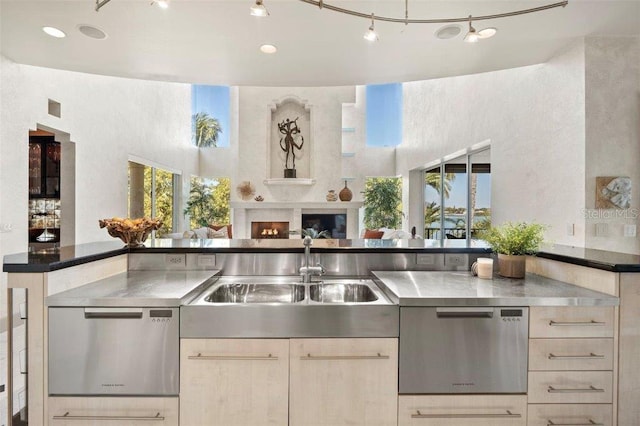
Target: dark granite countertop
x,y
64,257
592,258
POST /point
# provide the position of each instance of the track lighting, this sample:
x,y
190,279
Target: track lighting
x,y
371,34
472,35
258,9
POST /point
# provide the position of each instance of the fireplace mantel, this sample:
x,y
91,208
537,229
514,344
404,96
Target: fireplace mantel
x,y
319,205
245,212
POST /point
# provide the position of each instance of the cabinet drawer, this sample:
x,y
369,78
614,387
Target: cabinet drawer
x,y
571,321
123,411
570,354
570,414
593,387
462,410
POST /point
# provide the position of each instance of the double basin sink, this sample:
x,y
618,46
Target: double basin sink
x,y
271,306
252,290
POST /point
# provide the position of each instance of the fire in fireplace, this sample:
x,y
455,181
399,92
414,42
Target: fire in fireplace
x,y
260,230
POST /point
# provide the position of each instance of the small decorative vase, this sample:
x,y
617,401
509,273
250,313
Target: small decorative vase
x,y
345,194
512,266
332,196
290,173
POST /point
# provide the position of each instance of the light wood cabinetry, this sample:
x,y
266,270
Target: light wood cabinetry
x,y
571,321
462,410
571,366
629,373
343,382
230,382
297,382
121,411
570,414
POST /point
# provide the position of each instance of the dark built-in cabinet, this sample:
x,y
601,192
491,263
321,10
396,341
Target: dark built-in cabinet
x,y
44,189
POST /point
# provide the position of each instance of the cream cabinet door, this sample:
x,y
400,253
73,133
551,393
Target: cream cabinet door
x,y
338,382
234,382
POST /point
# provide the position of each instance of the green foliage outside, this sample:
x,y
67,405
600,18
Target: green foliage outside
x,y
432,210
208,202
514,238
164,198
383,203
206,130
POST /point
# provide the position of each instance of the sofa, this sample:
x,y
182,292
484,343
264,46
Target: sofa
x,y
205,232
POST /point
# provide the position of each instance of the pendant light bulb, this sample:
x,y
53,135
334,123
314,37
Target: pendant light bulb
x,y
371,34
472,35
259,10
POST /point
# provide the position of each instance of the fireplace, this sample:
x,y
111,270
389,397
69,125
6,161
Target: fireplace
x,y
334,224
260,230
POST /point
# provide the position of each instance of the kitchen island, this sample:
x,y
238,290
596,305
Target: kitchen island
x,y
54,272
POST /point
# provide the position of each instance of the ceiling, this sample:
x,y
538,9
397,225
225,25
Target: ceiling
x,y
217,41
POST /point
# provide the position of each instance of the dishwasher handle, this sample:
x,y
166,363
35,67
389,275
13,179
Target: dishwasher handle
x,y
113,313
464,312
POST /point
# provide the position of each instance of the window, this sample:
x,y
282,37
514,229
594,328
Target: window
x,y
152,194
457,205
208,202
210,109
384,115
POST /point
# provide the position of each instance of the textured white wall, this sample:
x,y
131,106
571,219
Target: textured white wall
x,y
109,119
534,118
612,133
248,157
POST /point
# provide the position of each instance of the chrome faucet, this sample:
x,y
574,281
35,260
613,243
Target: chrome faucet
x,y
306,271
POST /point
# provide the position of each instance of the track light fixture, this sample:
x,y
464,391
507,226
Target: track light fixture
x,y
258,9
472,35
162,4
371,34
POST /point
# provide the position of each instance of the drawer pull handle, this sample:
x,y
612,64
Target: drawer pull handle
x,y
590,389
310,357
201,357
590,423
508,414
553,323
590,356
67,416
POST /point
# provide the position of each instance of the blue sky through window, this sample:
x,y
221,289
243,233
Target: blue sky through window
x,y
384,114
214,100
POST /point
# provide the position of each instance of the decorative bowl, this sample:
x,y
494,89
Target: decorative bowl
x,y
133,232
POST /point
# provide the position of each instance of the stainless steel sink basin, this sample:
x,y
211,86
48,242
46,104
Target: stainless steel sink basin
x,y
341,293
257,293
284,307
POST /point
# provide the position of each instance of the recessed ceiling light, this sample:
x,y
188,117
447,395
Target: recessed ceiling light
x,y
92,32
487,32
163,4
448,31
54,32
268,48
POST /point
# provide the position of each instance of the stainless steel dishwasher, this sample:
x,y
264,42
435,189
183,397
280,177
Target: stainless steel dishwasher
x,y
114,351
463,350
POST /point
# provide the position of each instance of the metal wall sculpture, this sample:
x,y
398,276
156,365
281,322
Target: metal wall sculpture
x,y
291,141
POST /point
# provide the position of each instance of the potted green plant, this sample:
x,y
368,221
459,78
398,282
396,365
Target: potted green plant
x,y
512,242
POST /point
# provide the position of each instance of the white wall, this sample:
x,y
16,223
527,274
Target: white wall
x,y
109,119
248,157
612,133
534,118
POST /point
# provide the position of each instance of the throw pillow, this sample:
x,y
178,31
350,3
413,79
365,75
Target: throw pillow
x,y
218,227
202,233
220,233
370,234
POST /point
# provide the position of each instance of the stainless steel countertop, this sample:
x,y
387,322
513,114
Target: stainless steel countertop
x,y
425,288
137,288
